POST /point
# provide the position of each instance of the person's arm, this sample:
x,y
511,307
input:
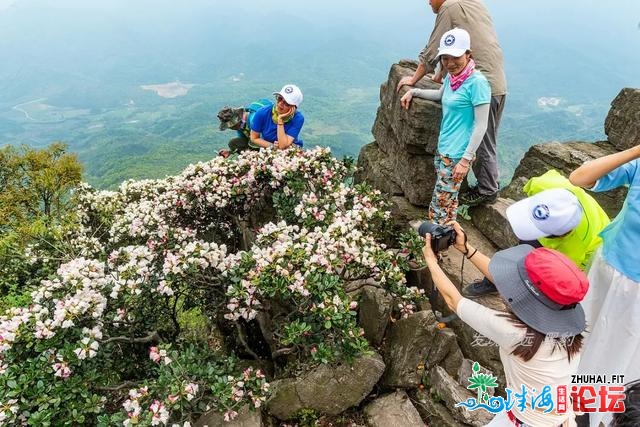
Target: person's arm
x,y
438,75
256,139
420,72
477,258
481,119
430,94
427,56
586,175
449,292
284,140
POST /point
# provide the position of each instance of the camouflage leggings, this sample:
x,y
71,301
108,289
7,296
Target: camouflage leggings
x,y
444,202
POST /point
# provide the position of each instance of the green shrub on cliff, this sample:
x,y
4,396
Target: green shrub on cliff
x,y
265,251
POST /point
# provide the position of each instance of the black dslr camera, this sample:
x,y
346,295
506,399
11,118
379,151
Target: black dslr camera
x,y
442,236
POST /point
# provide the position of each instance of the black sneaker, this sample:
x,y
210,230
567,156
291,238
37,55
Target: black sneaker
x,y
479,288
473,197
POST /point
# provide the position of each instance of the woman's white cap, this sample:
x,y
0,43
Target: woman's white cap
x,y
291,93
551,212
454,43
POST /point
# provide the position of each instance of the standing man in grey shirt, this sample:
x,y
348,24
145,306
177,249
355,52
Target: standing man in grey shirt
x,y
473,16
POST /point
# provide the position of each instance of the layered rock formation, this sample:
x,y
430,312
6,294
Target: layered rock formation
x,y
400,160
400,163
622,125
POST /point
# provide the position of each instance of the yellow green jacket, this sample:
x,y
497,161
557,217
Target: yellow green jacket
x,y
580,244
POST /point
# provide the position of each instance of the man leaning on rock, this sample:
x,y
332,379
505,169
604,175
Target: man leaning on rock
x,y
473,16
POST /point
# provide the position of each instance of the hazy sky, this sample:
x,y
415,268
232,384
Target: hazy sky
x,y
555,36
574,24
95,54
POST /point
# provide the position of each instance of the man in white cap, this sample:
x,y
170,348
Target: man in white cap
x,y
473,16
557,215
278,126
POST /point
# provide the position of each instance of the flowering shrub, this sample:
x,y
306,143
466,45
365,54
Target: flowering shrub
x,y
271,245
191,380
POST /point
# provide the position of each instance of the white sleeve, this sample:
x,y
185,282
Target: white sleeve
x,y
430,94
481,119
489,323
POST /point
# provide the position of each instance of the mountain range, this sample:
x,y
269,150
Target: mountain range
x,y
96,75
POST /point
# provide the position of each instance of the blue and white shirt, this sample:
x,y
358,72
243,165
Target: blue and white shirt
x,y
620,238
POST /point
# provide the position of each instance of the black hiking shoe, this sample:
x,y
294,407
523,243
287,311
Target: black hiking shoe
x,y
479,288
473,197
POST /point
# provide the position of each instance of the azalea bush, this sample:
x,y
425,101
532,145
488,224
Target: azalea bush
x,y
269,249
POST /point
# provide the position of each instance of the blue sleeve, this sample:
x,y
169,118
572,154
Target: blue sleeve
x,y
258,120
480,91
293,129
622,175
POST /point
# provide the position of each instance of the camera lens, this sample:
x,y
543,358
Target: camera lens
x,y
427,227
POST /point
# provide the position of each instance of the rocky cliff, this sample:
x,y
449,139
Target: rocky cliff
x,y
400,163
400,160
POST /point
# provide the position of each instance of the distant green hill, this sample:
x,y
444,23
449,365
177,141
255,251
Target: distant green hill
x,y
80,80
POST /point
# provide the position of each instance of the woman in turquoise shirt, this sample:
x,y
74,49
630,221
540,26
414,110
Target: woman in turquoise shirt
x,y
466,98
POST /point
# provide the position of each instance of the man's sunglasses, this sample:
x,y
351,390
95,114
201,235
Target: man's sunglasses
x,y
279,98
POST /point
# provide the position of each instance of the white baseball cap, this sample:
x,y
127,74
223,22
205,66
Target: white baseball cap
x,y
291,93
454,42
551,212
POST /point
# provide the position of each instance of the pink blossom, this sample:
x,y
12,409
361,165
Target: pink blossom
x,y
62,370
230,415
191,390
159,413
154,355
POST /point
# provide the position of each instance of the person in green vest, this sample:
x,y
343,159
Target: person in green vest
x,y
556,215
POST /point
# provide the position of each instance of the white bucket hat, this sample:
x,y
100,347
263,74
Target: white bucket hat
x,y
542,287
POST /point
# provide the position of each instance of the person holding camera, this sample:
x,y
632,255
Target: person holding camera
x,y
466,98
540,336
612,305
